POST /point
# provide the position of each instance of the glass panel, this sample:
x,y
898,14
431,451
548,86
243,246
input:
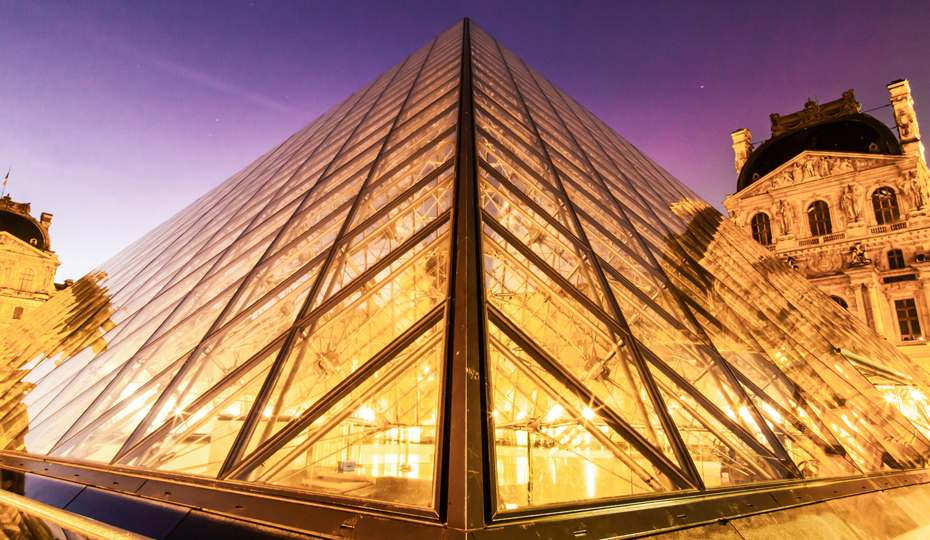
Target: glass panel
x,y
386,233
102,439
549,446
230,346
196,439
335,343
304,250
721,451
378,442
815,452
560,252
387,190
583,344
40,436
547,201
155,358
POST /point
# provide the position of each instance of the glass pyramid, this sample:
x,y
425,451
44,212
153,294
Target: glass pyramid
x,y
458,292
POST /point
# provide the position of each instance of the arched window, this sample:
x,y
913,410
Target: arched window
x,y
25,279
895,259
885,204
842,303
18,313
818,214
761,229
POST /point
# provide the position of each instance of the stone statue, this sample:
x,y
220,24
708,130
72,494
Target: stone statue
x,y
904,190
737,216
824,167
786,215
909,187
809,168
849,203
843,165
857,256
797,175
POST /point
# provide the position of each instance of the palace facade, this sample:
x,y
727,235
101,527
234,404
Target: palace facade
x,y
842,200
27,264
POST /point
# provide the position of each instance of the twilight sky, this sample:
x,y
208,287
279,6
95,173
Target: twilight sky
x,y
114,115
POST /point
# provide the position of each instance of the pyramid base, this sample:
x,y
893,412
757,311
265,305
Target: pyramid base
x,y
177,508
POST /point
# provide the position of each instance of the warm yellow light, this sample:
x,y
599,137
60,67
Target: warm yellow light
x,y
554,413
587,413
365,413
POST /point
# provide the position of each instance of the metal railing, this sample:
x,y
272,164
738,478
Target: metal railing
x,y
88,528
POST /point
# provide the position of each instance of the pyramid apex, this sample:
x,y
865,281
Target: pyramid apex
x,y
455,302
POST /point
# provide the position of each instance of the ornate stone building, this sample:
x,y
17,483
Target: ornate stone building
x,y
27,265
844,201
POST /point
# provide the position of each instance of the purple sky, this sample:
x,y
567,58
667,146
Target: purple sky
x,y
115,115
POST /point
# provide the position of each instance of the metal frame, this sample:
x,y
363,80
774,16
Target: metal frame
x,y
465,479
295,511
467,491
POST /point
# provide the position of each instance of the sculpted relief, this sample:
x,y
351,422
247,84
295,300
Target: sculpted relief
x,y
907,124
824,263
821,167
738,217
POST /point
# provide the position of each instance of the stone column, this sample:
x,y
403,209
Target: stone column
x,y
879,310
860,304
742,146
906,119
866,277
923,275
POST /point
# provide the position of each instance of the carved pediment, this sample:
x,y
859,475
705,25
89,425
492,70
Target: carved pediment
x,y
809,166
12,244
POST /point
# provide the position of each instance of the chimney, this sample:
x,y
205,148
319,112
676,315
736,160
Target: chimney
x,y
906,119
742,146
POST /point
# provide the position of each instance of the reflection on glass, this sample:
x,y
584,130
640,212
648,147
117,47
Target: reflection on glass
x,y
285,328
379,442
549,445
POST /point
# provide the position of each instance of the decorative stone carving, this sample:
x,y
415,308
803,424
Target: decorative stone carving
x,y
6,273
814,167
907,124
906,118
737,216
913,192
785,215
815,113
825,263
857,256
742,147
851,203
7,203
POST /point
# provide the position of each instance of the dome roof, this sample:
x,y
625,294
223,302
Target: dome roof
x,y
15,219
855,133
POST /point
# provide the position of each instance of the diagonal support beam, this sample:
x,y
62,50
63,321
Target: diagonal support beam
x,y
611,418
